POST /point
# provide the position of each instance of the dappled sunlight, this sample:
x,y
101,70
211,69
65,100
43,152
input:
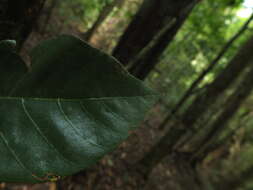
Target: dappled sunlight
x,y
87,90
246,10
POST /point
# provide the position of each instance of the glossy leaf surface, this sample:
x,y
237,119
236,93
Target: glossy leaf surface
x,y
74,106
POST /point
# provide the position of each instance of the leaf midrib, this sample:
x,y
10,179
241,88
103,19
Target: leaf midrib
x,y
78,99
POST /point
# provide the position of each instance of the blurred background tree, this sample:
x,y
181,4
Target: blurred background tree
x,y
197,54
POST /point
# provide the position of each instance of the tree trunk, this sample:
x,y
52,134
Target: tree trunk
x,y
165,146
218,143
143,66
49,11
183,174
200,78
232,105
17,18
225,79
107,9
151,18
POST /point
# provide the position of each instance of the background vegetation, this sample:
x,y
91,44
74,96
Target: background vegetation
x,y
199,56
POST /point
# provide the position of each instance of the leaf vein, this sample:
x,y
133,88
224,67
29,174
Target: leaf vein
x,y
96,120
110,110
41,133
15,156
73,126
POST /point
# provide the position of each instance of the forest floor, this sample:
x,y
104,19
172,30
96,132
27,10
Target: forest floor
x,y
111,172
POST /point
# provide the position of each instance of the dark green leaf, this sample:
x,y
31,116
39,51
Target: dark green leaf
x,y
76,105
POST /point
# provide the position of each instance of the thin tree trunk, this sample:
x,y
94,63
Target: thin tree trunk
x,y
151,18
165,146
232,105
185,176
146,64
107,9
50,11
200,78
17,18
145,51
225,79
216,143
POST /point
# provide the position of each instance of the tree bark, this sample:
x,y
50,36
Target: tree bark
x,y
165,146
200,78
232,105
17,18
50,11
151,18
143,66
216,143
225,79
101,18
